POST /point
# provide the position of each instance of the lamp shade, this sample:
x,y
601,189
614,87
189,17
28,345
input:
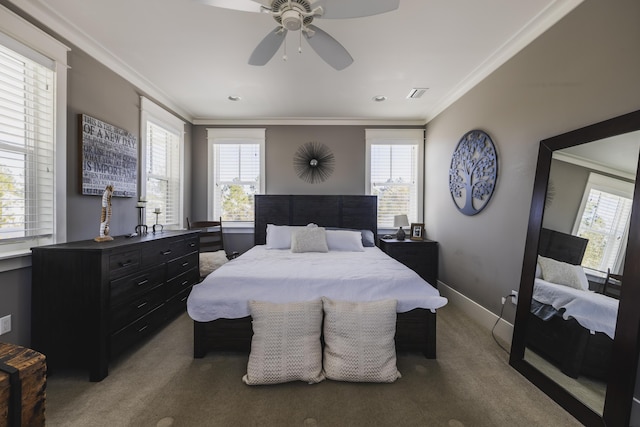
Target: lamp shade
x,y
400,221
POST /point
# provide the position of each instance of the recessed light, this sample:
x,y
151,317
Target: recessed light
x,y
379,98
233,98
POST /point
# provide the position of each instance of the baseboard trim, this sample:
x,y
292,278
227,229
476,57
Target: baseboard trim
x,y
484,317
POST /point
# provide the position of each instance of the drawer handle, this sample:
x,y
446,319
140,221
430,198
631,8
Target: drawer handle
x,y
142,305
143,328
186,282
192,244
143,282
166,252
183,299
126,263
184,264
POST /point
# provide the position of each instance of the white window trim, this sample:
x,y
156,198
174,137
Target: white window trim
x,y
397,136
152,112
256,136
19,29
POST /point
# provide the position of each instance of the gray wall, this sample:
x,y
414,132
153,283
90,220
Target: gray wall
x,y
583,70
568,182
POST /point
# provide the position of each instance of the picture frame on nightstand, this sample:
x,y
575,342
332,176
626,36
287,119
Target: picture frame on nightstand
x,y
417,231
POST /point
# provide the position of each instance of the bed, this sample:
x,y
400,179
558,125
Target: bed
x,y
571,326
219,304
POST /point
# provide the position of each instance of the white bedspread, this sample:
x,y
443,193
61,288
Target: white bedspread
x,y
277,275
593,311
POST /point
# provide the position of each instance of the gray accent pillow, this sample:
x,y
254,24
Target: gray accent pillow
x,y
309,239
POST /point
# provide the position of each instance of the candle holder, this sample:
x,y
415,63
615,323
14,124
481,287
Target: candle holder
x,y
157,226
141,228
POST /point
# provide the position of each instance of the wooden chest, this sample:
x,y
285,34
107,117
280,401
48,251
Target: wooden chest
x,y
22,389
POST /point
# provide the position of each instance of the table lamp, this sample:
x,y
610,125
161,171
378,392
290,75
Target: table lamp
x,y
400,221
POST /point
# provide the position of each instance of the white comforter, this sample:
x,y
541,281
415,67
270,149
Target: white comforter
x,y
278,275
593,311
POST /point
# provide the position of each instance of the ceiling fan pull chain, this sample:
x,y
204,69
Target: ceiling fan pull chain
x,y
284,57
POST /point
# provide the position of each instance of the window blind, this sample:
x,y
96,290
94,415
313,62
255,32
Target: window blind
x,y
27,141
237,169
163,175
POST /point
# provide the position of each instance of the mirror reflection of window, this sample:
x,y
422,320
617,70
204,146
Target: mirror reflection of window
x,y
603,219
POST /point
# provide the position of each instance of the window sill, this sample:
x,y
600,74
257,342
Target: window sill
x,y
239,227
15,260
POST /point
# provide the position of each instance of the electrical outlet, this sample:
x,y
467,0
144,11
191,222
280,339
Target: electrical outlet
x,y
514,297
5,324
503,299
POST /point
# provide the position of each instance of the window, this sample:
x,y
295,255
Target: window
x,y
603,218
236,172
162,157
32,139
395,172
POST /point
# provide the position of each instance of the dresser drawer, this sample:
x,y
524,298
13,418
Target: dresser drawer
x,y
182,281
137,331
178,303
157,253
126,313
184,246
123,263
181,265
130,287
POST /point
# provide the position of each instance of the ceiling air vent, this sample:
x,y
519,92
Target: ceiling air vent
x,y
417,92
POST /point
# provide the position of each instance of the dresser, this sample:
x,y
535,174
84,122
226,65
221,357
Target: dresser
x,y
419,255
92,301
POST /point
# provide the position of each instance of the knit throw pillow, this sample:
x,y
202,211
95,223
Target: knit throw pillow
x,y
309,239
359,341
286,343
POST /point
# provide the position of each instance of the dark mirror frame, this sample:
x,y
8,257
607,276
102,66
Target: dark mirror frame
x,y
626,346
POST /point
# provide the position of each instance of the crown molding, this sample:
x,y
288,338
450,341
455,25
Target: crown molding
x,y
294,121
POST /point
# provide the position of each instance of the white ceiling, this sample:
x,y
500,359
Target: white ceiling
x,y
191,57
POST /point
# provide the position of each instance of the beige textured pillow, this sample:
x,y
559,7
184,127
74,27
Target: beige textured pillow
x,y
563,273
286,343
359,341
211,261
309,239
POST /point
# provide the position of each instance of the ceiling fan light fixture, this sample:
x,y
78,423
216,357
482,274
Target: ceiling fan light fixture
x,y
291,20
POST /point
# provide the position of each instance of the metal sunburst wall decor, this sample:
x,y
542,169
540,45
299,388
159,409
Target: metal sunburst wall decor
x,y
314,162
473,172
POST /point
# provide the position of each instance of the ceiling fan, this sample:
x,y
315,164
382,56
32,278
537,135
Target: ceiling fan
x,y
297,15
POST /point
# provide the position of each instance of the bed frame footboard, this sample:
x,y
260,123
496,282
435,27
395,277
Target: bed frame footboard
x,y
415,332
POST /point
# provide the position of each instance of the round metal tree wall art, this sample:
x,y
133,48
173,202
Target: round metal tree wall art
x,y
313,162
473,172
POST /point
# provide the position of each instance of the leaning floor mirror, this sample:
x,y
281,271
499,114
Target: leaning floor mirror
x,y
577,321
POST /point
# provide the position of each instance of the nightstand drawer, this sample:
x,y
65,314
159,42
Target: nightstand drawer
x,y
419,255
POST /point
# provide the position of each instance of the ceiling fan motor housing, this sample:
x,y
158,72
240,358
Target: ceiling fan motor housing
x,y
291,20
292,14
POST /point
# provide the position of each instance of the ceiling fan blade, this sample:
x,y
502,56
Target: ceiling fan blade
x,y
243,5
268,47
328,48
338,9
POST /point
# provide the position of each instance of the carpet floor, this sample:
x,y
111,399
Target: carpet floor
x,y
160,384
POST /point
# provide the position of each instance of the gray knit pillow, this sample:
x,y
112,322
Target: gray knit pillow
x,y
309,239
286,343
359,341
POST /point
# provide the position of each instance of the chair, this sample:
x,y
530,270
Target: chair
x,y
212,251
612,284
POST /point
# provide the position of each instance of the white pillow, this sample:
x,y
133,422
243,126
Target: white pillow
x,y
563,273
211,261
286,343
359,341
309,239
343,240
279,236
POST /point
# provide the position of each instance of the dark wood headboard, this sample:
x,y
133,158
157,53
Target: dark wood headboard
x,y
562,246
357,212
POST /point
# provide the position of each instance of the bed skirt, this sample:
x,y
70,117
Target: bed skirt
x,y
415,332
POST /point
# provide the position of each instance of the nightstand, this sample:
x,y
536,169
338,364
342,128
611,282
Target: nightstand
x,y
419,255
